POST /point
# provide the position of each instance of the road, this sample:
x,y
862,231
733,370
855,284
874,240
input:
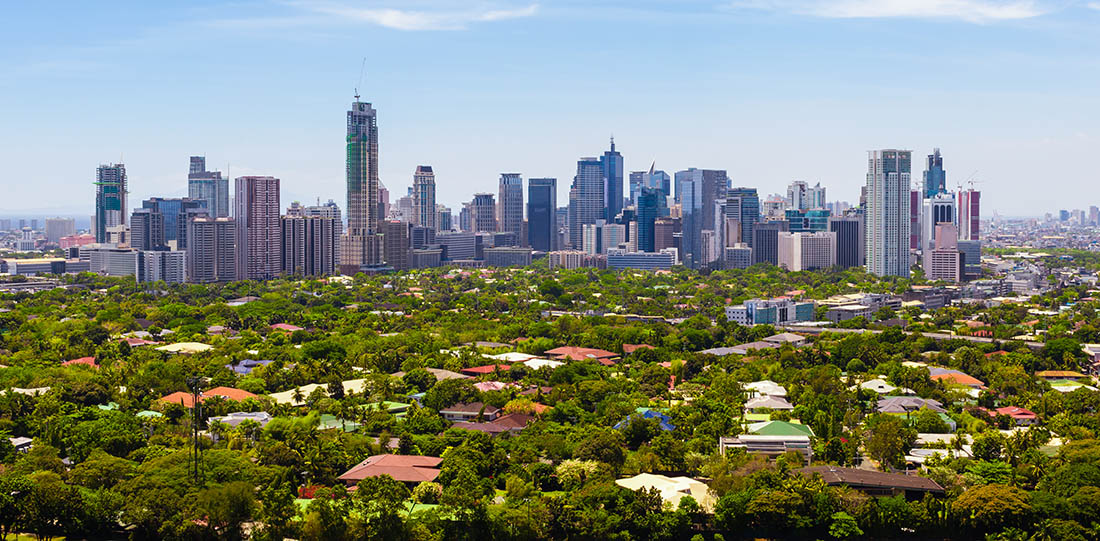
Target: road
x,y
932,335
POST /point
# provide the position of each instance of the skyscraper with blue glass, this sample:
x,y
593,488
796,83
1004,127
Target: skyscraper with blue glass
x,y
749,202
935,178
648,209
611,164
542,202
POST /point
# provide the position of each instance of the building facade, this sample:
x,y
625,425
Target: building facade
x,y
360,245
887,216
849,240
483,213
110,199
259,228
542,203
586,198
211,250
611,164
807,251
424,206
210,188
511,203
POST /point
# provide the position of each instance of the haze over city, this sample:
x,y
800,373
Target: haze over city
x,y
770,90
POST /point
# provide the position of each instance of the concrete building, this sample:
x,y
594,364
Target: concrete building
x,y
59,227
970,214
738,256
211,250
601,237
426,258
259,228
849,240
778,311
309,243
395,243
935,210
507,256
511,203
542,201
162,266
622,259
483,213
807,251
110,260
360,246
945,261
765,247
209,188
176,212
424,206
147,230
887,217
110,199
458,246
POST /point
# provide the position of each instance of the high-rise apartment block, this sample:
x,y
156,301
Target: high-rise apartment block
x,y
887,216
209,187
424,208
396,246
483,213
542,202
849,240
586,199
944,261
211,249
970,214
59,227
511,203
361,246
259,228
807,251
310,240
110,199
147,230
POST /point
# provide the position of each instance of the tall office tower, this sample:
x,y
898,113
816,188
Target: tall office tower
x,y
542,206
383,202
748,203
972,258
309,240
970,214
5,224
444,220
465,217
807,251
110,198
259,234
421,237
887,217
648,208
798,197
395,242
945,261
935,178
816,197
176,213
611,164
211,249
916,200
511,203
663,182
689,194
765,246
637,181
938,209
849,240
1094,216
63,227
424,213
483,213
162,266
147,230
602,236
360,246
210,187
1063,215
586,198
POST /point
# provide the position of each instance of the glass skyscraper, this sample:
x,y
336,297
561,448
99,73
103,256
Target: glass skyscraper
x,y
887,217
647,208
612,165
361,246
209,187
586,199
511,203
542,202
110,198
935,178
749,203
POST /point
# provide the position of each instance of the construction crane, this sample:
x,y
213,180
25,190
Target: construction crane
x,y
970,181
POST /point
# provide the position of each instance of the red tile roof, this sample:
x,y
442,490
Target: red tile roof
x,y
90,361
136,342
958,378
487,369
228,393
286,327
407,469
1017,412
631,348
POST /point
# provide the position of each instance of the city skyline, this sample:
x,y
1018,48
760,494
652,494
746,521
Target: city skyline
x,y
957,99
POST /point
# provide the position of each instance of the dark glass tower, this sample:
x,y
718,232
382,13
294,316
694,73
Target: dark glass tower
x,y
935,178
542,202
749,203
648,208
612,165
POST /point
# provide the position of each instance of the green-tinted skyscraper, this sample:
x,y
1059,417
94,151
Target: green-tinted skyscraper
x,y
110,198
361,245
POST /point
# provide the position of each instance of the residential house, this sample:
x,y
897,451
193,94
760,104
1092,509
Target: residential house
x,y
411,470
470,412
876,483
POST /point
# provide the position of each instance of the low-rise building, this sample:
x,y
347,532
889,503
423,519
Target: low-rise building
x,y
778,311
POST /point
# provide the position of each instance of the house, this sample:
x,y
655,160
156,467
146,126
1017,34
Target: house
x,y
878,385
483,370
236,418
571,353
470,412
488,345
187,348
672,489
1051,375
512,357
411,470
768,403
664,422
86,361
21,444
786,338
188,400
288,397
765,388
631,348
286,327
241,301
135,342
486,386
510,423
780,428
439,374
908,404
246,366
1020,416
536,364
770,446
875,483
744,349
949,376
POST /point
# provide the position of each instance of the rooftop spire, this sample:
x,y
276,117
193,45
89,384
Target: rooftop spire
x,y
612,142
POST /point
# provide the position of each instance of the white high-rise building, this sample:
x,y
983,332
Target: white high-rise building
x,y
424,212
887,220
938,209
807,251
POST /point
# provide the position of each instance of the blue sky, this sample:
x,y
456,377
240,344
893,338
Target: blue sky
x,y
770,90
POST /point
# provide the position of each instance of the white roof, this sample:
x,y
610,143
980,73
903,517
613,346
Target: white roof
x,y
287,397
770,402
512,357
186,347
535,364
671,488
877,385
767,388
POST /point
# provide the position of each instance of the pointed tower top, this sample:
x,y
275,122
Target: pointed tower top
x,y
612,142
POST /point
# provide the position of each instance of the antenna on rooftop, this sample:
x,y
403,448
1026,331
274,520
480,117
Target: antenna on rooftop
x,y
362,67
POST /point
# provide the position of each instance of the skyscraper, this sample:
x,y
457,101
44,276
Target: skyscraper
x,y
209,187
542,202
689,188
586,198
211,249
970,214
849,240
748,203
483,213
798,197
648,208
816,197
935,210
396,244
176,213
611,164
935,178
259,232
63,227
887,217
807,251
765,246
310,240
110,198
147,230
424,212
361,246
637,182
511,203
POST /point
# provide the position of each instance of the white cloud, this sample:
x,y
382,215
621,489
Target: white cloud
x,y
1094,5
976,11
412,19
